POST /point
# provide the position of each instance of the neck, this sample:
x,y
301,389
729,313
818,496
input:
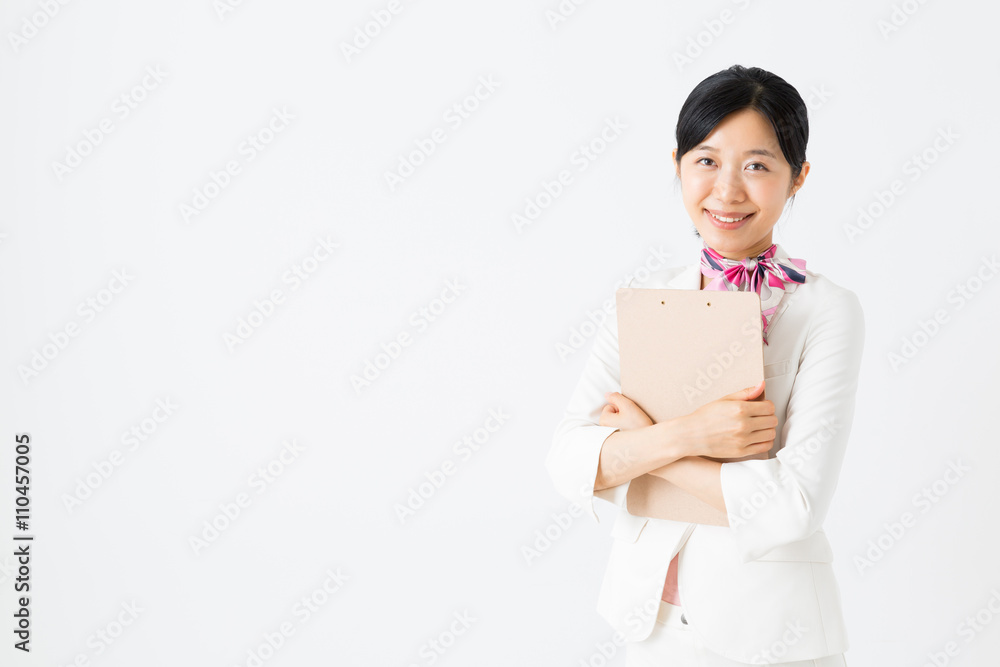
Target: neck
x,y
749,252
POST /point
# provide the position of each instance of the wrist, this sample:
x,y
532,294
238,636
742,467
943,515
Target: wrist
x,y
671,444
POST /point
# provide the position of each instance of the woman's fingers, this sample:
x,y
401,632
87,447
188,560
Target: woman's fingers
x,y
745,394
755,409
609,416
759,422
618,399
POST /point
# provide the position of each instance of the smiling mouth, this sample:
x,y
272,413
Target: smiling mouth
x,y
728,220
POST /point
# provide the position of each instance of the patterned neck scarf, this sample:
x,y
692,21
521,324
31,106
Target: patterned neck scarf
x,y
770,274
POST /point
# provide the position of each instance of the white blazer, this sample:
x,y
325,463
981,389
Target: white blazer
x,y
762,589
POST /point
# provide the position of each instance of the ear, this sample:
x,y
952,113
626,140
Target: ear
x,y
677,167
798,182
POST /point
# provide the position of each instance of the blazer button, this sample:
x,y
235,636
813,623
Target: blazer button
x,y
684,620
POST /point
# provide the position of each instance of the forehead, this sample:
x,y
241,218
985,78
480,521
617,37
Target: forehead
x,y
741,131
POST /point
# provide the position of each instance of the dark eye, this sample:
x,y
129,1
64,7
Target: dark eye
x,y
762,167
698,161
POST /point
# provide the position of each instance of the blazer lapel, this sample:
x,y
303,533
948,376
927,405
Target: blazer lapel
x,y
689,278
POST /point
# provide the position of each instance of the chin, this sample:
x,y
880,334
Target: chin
x,y
722,238
725,245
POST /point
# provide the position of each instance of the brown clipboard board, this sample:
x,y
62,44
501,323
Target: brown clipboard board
x,y
680,349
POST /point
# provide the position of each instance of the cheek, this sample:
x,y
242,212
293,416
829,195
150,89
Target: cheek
x,y
768,195
696,188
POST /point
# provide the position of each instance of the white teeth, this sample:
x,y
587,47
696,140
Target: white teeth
x,y
726,219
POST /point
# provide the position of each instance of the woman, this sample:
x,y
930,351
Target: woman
x,y
760,590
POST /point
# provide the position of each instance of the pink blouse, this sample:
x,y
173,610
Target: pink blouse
x,y
670,592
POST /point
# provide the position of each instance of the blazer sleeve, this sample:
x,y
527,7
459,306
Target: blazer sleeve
x,y
785,499
576,444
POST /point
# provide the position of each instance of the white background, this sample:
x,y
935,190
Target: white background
x,y
876,101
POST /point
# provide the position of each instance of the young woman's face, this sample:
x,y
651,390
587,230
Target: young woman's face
x,y
737,171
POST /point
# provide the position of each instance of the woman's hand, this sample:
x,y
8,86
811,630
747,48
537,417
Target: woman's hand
x,y
733,426
623,413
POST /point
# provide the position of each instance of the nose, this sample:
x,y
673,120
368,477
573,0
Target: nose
x,y
729,186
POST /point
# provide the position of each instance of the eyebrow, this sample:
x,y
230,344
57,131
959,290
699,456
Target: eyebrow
x,y
752,151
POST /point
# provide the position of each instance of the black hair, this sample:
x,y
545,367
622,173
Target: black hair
x,y
739,88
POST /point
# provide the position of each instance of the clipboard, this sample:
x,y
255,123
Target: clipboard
x,y
680,349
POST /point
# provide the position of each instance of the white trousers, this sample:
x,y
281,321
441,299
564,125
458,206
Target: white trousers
x,y
673,642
